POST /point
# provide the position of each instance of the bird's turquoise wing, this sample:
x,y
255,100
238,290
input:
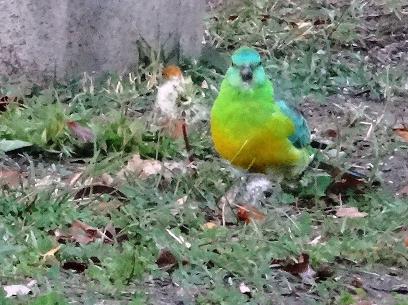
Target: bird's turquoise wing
x,y
301,137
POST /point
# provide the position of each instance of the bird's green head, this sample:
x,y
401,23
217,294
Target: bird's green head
x,y
246,71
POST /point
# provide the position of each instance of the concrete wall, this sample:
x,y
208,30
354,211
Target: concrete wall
x,y
47,39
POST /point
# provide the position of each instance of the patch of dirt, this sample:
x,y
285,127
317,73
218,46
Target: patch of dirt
x,y
378,282
364,132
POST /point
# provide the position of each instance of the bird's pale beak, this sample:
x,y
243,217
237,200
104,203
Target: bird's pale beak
x,y
246,74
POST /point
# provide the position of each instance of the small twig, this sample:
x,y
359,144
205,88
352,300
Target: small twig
x,y
361,93
185,137
223,213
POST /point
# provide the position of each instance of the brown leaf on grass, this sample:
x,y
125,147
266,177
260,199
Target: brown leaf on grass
x,y
292,267
118,235
83,233
351,212
77,267
343,180
11,178
142,169
331,133
406,241
299,268
99,189
403,191
402,133
166,260
84,134
347,181
248,213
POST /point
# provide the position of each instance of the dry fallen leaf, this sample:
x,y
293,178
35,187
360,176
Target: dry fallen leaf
x,y
141,168
406,241
84,134
83,233
166,260
247,213
331,133
300,268
403,191
11,178
210,225
99,189
350,213
402,133
343,180
19,290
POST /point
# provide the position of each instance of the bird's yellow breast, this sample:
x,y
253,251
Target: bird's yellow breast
x,y
253,138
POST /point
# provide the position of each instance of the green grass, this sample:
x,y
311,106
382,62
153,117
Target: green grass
x,y
327,61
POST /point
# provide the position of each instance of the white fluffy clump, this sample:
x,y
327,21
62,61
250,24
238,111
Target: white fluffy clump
x,y
175,97
168,96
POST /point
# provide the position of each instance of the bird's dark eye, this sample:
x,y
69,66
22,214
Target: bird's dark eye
x,y
254,66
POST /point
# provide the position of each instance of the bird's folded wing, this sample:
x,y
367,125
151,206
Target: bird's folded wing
x,y
301,137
